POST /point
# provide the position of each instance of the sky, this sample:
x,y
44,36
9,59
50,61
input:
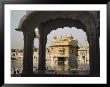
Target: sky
x,y
17,37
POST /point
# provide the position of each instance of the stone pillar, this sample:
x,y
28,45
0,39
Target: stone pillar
x,y
94,53
42,50
98,51
28,53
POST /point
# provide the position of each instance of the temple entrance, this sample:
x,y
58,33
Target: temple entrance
x,y
61,63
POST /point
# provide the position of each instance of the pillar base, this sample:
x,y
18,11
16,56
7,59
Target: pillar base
x,y
41,71
27,74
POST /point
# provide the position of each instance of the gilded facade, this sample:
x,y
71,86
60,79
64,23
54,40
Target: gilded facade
x,y
64,53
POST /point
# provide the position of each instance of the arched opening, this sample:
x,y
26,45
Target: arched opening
x,y
36,50
67,49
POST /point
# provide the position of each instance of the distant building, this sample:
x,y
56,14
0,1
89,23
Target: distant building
x,y
83,58
35,59
64,52
16,61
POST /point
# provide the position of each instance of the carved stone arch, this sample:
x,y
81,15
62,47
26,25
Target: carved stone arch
x,y
61,23
36,17
41,19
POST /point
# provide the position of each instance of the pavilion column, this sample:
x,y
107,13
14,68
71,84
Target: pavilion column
x,y
28,53
94,53
42,51
98,50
